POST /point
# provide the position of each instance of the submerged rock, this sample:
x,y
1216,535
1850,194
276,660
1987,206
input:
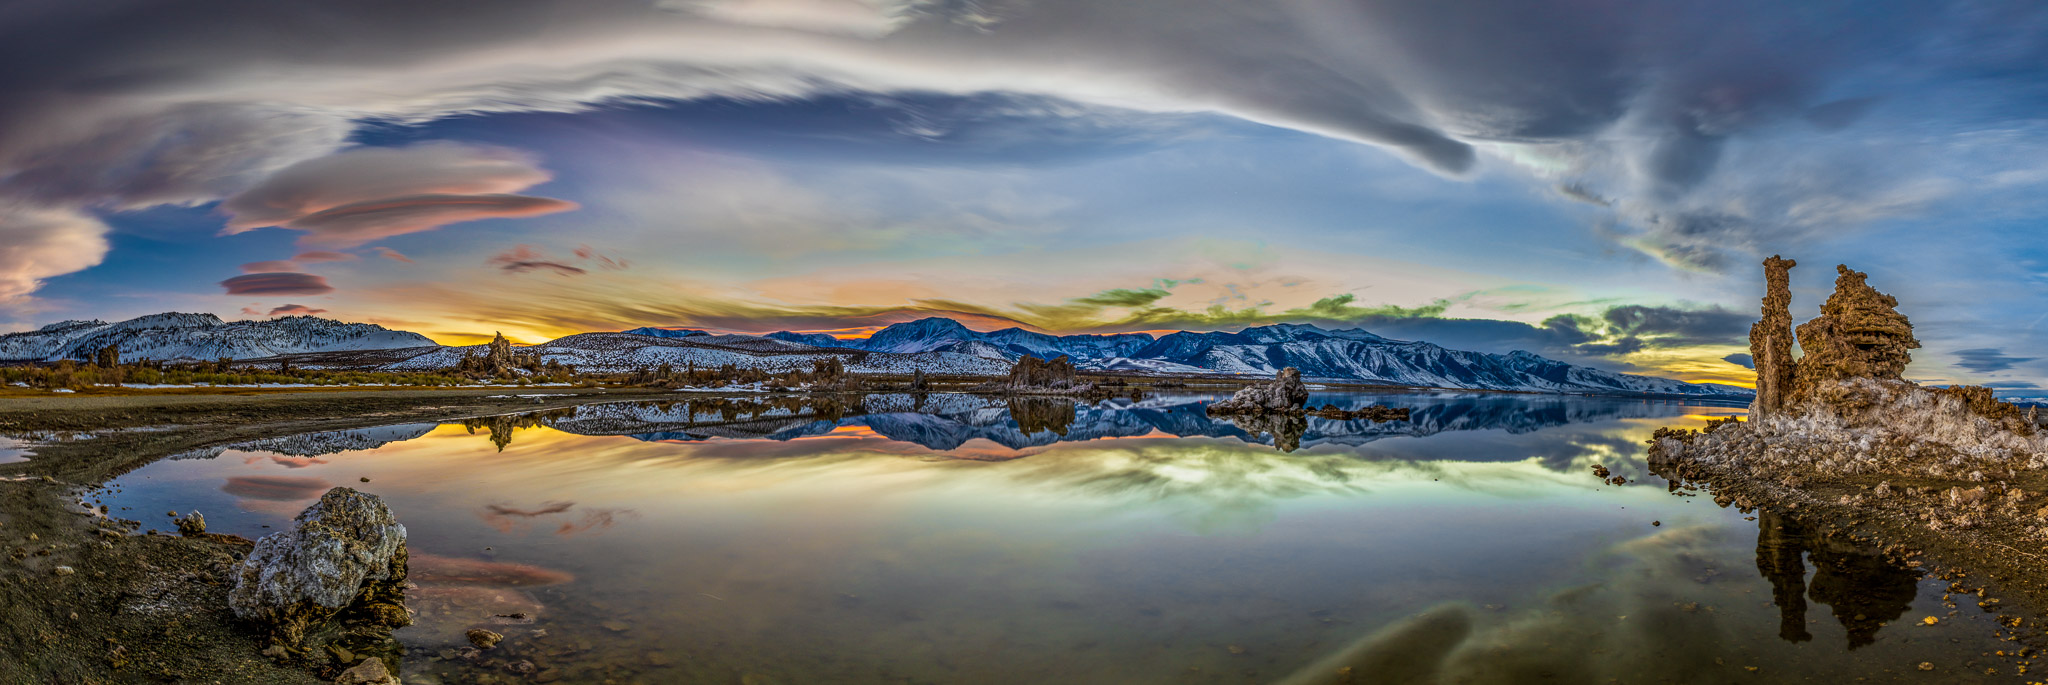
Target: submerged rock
x,y
345,548
371,672
1284,395
483,639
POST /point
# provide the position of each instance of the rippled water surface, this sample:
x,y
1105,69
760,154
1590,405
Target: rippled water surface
x,y
958,539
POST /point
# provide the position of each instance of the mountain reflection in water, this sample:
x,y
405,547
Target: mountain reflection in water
x,y
943,422
952,538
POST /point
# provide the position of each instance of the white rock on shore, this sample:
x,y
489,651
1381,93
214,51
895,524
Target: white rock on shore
x,y
336,547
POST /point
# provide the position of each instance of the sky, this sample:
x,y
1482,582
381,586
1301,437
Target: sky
x,y
1592,180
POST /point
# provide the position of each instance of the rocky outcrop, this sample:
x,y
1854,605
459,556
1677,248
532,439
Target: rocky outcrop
x,y
1284,395
1374,413
1031,374
344,552
1859,334
1770,339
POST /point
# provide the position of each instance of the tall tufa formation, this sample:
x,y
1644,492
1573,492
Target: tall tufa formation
x,y
1859,334
1770,339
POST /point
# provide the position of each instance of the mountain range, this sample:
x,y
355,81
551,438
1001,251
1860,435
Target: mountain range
x,y
933,345
200,337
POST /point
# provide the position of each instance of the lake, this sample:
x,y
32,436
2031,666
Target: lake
x,y
964,539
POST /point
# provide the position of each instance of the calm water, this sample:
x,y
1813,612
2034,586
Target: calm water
x,y
956,539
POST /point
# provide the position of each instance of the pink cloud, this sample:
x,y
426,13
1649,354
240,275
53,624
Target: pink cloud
x,y
391,254
277,284
362,222
364,194
317,256
272,266
295,310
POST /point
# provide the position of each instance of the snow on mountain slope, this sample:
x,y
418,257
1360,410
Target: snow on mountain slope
x,y
626,352
925,335
814,339
176,335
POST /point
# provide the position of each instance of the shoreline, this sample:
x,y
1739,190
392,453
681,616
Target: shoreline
x,y
87,624
84,600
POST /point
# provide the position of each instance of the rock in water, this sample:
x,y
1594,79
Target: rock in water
x,y
1285,395
370,672
483,639
342,548
1859,334
1770,339
192,524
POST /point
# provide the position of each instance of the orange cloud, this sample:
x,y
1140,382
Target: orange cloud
x,y
317,256
272,266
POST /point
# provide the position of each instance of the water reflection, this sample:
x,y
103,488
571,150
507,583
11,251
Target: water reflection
x,y
947,538
1866,590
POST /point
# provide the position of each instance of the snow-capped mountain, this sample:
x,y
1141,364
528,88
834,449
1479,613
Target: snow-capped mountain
x,y
1341,355
174,335
924,335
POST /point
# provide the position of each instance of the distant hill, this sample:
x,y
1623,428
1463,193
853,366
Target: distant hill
x,y
174,335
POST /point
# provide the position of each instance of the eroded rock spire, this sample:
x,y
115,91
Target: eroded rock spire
x,y
1859,334
1770,339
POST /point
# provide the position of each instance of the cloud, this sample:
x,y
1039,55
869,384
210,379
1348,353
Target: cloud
x,y
1987,360
271,266
1675,326
524,258
365,194
281,283
38,243
1712,129
391,254
295,310
1741,359
603,261
318,256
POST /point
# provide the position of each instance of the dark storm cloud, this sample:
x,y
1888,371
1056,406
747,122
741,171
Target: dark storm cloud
x,y
1678,327
1741,359
279,283
1987,360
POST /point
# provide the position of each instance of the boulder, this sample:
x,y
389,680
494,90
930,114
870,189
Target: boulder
x,y
345,548
1284,395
